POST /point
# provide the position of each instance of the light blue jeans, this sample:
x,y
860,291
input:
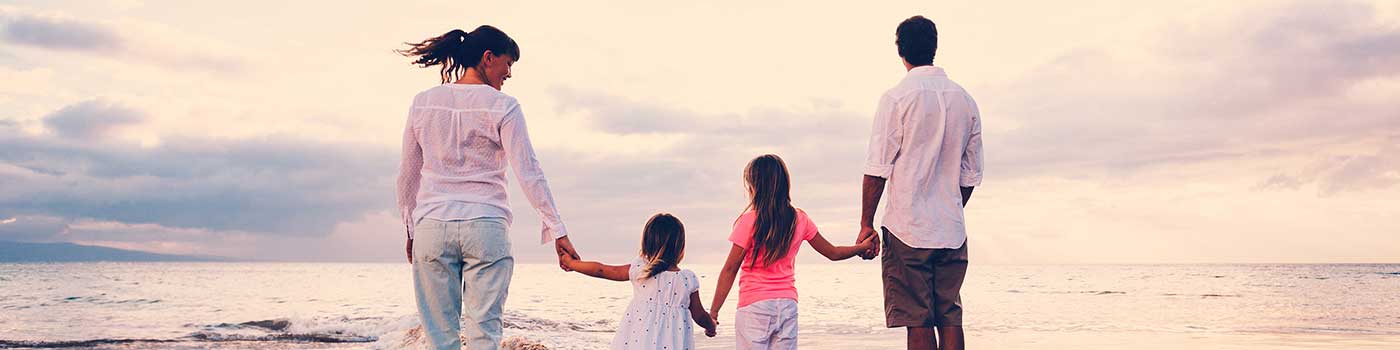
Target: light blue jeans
x,y
450,257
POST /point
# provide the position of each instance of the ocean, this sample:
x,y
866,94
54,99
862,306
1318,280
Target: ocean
x,y
221,305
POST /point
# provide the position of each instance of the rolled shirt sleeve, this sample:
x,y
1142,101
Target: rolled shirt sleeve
x,y
886,136
971,174
521,154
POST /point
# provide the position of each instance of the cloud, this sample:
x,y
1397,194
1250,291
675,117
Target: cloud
x,y
31,228
127,41
1364,172
1244,85
278,185
606,195
60,34
1374,166
91,119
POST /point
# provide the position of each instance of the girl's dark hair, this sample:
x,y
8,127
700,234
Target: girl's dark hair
x,y
457,50
663,243
767,178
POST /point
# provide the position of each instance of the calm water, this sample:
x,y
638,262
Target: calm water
x,y
355,306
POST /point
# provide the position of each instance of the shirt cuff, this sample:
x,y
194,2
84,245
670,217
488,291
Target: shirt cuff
x,y
970,180
407,215
552,232
881,171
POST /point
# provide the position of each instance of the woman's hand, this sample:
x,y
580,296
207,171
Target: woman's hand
x,y
714,324
562,247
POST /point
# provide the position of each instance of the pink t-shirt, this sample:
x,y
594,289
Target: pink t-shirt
x,y
772,281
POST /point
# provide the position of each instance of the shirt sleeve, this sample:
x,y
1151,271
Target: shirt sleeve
x,y
886,136
742,235
805,227
516,141
693,284
971,174
634,271
410,172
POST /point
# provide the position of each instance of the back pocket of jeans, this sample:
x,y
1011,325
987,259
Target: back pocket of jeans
x,y
489,240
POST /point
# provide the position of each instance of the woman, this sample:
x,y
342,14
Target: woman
x,y
452,186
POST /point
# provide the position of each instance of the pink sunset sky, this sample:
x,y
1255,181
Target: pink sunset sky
x,y
1115,132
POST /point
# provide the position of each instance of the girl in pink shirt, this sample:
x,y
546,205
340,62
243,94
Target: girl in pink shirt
x,y
766,238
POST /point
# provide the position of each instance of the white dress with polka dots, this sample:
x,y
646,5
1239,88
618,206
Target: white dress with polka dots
x,y
659,316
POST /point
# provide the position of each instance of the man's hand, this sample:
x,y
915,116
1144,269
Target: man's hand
x,y
562,247
867,232
408,248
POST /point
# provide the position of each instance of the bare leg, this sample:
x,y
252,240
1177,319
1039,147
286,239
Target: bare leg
x,y
921,338
950,338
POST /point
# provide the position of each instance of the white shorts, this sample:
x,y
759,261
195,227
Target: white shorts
x,y
767,324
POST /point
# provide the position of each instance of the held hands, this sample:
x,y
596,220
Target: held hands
x,y
567,262
871,240
563,247
714,323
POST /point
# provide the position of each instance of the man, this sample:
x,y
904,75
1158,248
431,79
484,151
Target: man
x,y
926,144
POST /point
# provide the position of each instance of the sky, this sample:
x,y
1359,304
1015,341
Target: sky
x,y
1114,132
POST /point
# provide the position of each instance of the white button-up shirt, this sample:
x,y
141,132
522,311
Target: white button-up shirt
x,y
456,145
927,141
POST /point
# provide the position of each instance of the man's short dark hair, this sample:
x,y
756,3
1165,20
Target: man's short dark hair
x,y
917,38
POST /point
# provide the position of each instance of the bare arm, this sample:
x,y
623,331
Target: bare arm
x,y
597,269
871,189
726,279
834,253
697,313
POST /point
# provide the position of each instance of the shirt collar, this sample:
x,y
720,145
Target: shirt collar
x,y
927,70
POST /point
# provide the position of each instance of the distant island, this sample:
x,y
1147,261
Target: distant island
x,y
69,252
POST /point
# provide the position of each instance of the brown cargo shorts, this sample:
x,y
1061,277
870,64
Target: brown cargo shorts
x,y
922,285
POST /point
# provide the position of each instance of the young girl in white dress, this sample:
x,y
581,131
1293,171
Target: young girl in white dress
x,y
665,298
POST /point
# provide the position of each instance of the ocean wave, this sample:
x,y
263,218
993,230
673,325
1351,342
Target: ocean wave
x,y
1093,292
306,338
1103,292
392,333
27,344
516,320
1207,295
317,329
539,333
102,299
402,332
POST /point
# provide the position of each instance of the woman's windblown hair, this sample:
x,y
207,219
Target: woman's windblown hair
x,y
767,178
457,50
663,244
